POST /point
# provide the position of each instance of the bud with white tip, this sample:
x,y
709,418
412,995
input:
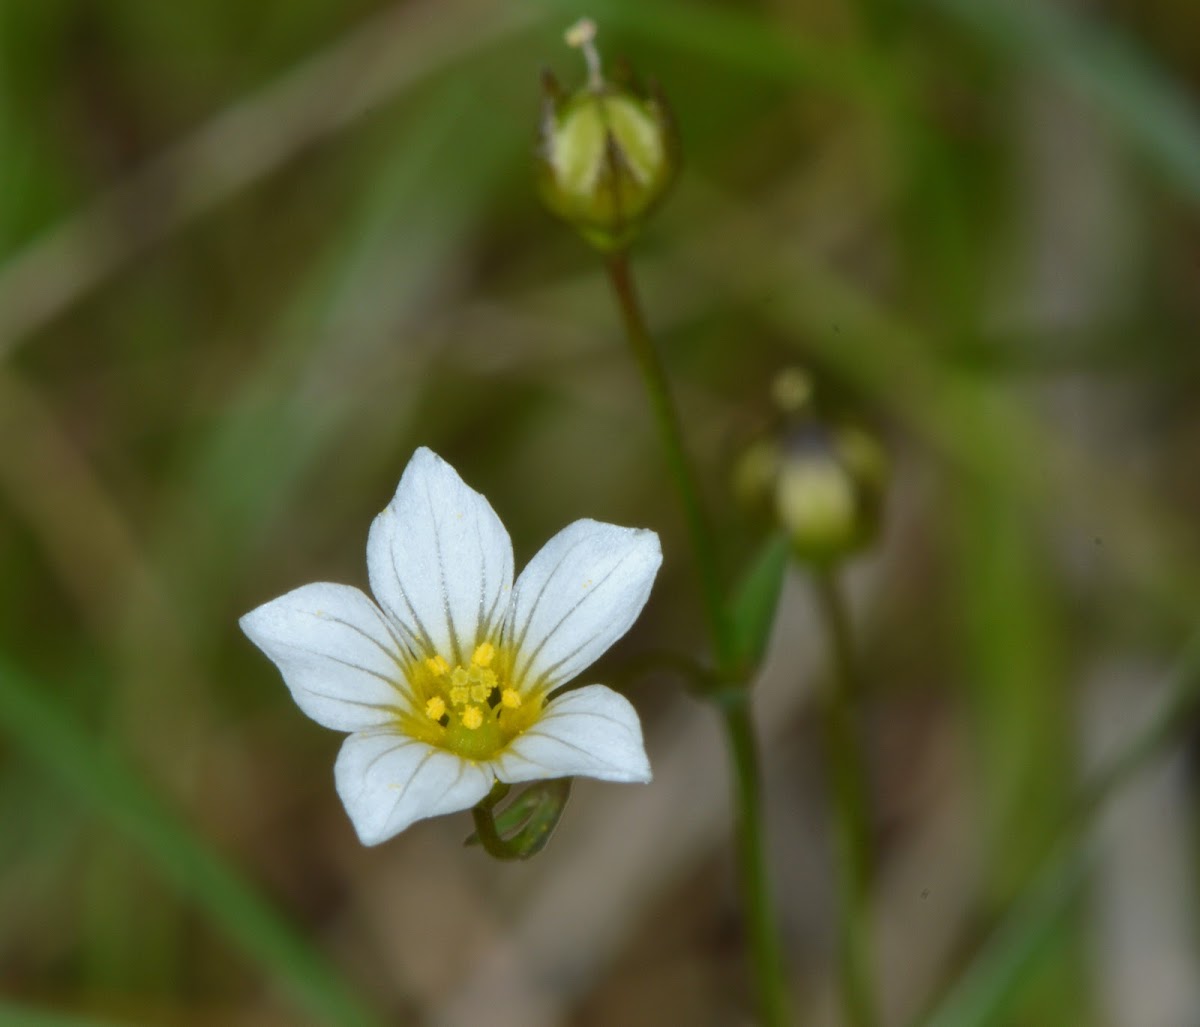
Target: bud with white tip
x,y
607,153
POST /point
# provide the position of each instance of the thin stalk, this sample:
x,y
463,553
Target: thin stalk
x,y
765,953
667,420
848,786
735,707
485,824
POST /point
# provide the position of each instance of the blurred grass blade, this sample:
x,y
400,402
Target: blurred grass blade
x,y
984,994
752,610
1109,70
1177,711
994,981
728,36
109,789
386,55
411,224
1010,626
13,1014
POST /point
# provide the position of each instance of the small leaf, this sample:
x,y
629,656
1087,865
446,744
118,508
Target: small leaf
x,y
752,610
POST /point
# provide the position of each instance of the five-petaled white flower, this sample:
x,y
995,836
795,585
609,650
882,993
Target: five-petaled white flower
x,y
447,685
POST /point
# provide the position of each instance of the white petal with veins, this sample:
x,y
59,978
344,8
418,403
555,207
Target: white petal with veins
x,y
590,731
439,559
579,594
337,653
387,781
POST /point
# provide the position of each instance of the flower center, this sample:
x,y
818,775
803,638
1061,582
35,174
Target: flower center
x,y
471,709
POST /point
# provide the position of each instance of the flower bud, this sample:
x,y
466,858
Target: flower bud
x,y
607,153
827,507
823,483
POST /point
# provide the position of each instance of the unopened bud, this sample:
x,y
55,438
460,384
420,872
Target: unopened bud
x,y
607,153
823,484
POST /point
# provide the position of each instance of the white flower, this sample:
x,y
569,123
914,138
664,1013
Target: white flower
x,y
443,686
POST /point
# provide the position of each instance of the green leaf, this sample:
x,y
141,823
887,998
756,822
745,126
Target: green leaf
x,y
29,717
752,610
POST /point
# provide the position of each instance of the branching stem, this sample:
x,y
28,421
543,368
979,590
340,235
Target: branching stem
x,y
735,704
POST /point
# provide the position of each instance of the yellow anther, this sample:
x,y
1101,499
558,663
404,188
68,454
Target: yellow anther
x,y
487,677
460,676
437,666
458,694
484,654
435,709
472,718
510,698
479,693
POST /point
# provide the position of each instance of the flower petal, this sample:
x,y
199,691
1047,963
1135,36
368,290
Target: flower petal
x,y
578,595
439,559
337,652
591,731
387,781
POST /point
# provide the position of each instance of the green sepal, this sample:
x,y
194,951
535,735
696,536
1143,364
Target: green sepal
x,y
523,828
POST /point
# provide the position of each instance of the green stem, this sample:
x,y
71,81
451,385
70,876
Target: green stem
x,y
735,704
756,895
485,825
848,785
667,420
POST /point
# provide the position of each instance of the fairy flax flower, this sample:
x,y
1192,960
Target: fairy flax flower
x,y
447,685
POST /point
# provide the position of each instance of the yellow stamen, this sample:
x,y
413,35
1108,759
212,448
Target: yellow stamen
x,y
484,653
459,676
437,666
488,677
510,698
458,694
435,709
479,693
472,718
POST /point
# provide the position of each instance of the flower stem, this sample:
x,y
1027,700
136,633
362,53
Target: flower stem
x,y
735,705
760,917
485,825
667,420
848,784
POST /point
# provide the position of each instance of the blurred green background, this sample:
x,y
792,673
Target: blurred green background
x,y
252,255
